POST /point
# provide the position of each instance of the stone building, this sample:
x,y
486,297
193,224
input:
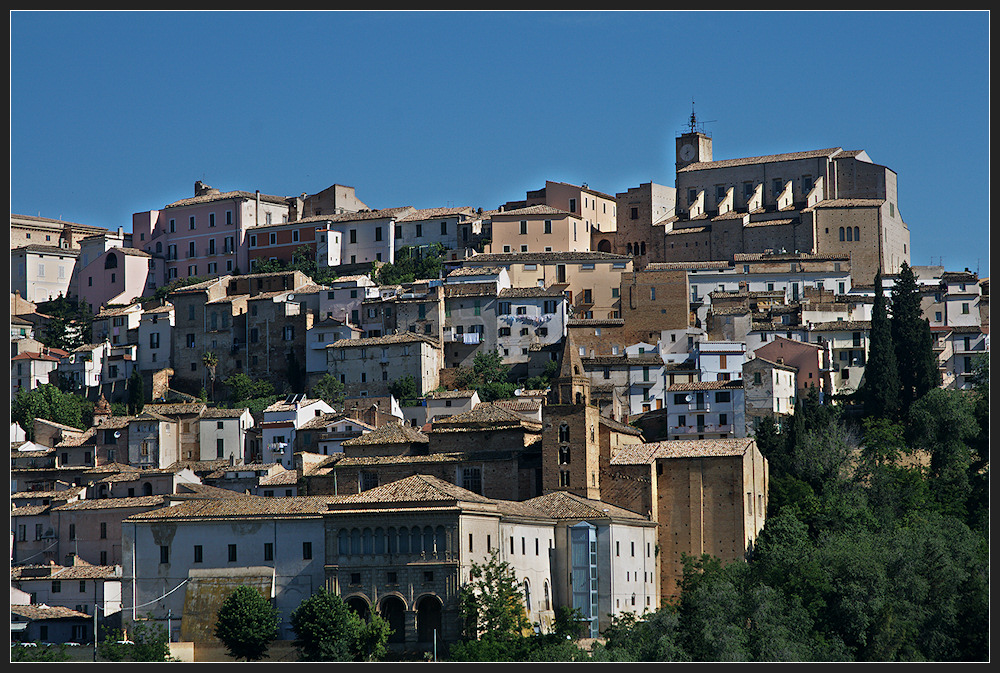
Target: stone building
x,y
828,201
707,497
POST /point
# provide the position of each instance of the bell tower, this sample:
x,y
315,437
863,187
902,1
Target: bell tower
x,y
694,145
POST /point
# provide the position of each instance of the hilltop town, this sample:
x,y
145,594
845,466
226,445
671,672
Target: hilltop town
x,y
306,392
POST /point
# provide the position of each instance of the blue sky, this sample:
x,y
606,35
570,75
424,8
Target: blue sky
x,y
113,113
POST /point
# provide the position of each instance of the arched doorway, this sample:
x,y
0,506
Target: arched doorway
x,y
604,245
360,606
428,619
394,612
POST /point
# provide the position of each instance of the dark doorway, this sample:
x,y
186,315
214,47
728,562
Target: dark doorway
x,y
394,612
428,619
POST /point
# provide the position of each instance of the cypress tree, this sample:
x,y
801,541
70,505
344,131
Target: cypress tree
x,y
907,336
880,389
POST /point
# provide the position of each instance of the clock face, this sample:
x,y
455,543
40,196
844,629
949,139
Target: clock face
x,y
687,152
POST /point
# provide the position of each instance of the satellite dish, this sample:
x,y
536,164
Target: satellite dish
x,y
117,434
687,398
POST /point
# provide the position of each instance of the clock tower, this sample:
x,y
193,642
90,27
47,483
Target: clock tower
x,y
693,146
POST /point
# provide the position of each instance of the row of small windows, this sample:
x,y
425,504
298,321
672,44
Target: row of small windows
x,y
232,552
192,222
850,234
393,540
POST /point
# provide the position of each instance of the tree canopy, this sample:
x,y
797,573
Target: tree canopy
x,y
246,624
327,629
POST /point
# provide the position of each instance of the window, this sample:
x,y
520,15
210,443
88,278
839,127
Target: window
x,y
232,553
198,554
164,554
722,396
56,586
307,550
72,531
472,479
268,551
104,530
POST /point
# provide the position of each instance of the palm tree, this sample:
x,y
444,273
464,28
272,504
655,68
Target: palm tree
x,y
210,360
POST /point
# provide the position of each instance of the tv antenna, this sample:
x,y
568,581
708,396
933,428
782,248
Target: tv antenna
x,y
693,124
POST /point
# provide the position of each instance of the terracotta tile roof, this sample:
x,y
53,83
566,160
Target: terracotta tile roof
x,y
841,325
534,291
476,271
433,213
216,195
114,503
540,209
388,433
283,478
766,159
642,454
565,505
81,571
485,415
178,409
219,412
29,510
240,507
28,355
405,337
40,612
418,488
452,290
450,394
282,405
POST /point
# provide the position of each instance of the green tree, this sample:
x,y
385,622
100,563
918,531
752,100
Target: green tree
x,y
69,325
210,361
327,629
147,642
488,375
329,389
246,624
943,424
880,387
38,653
492,603
412,263
49,402
915,359
542,381
404,388
136,394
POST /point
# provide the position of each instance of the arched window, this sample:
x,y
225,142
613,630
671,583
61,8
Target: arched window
x,y
428,540
642,248
629,248
159,247
367,541
355,541
857,234
527,597
392,540
414,540
404,541
440,540
379,541
343,542
545,596
147,489
842,233
563,432
111,261
850,234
